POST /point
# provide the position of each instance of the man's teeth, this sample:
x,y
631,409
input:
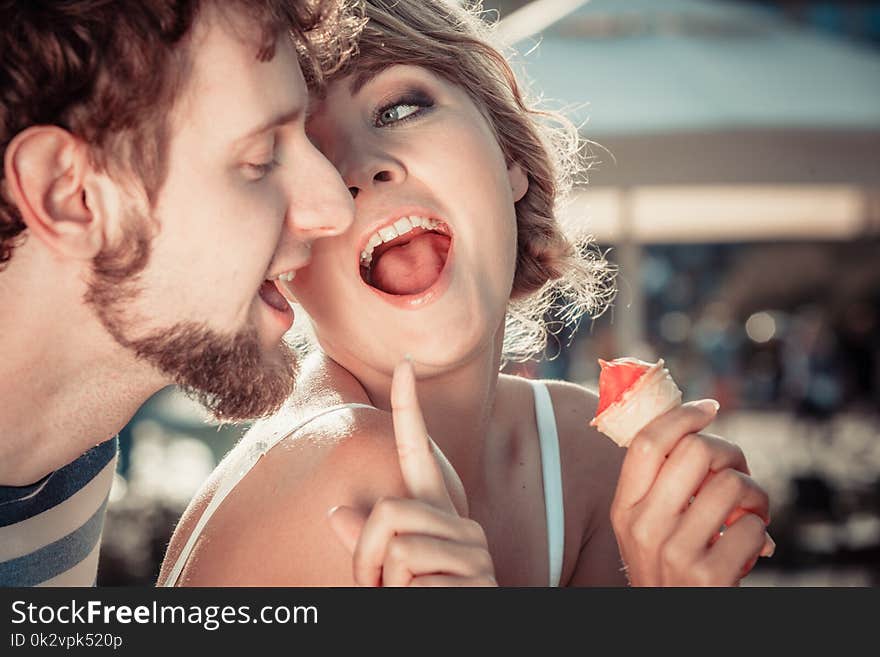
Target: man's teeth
x,y
400,227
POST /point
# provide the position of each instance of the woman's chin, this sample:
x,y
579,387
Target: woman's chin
x,y
447,349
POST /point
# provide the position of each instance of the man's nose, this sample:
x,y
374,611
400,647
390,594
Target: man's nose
x,y
321,205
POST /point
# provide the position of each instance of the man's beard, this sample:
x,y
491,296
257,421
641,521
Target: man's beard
x,y
229,375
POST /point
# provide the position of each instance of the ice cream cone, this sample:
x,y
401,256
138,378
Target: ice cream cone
x,y
652,395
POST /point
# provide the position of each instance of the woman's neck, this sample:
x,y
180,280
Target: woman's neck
x,y
457,405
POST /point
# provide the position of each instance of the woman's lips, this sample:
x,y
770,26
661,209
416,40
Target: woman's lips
x,y
424,297
410,266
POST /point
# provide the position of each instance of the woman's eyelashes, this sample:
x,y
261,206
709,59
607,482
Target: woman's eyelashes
x,y
402,109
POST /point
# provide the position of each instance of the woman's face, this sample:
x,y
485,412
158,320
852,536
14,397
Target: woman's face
x,y
427,267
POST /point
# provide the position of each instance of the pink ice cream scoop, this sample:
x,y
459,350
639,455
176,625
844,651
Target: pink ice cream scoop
x,y
631,394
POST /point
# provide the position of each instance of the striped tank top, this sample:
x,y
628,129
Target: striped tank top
x,y
50,531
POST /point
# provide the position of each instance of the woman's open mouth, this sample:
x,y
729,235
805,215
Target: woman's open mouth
x,y
406,258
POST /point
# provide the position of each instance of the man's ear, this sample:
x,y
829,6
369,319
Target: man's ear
x,y
519,181
46,167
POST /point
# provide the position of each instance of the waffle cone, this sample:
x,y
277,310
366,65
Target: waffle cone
x,y
651,396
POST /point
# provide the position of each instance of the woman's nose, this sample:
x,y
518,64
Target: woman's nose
x,y
370,171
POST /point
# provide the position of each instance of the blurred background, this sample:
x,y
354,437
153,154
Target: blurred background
x,y
735,182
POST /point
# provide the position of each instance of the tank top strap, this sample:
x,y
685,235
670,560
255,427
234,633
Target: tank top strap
x,y
235,472
551,471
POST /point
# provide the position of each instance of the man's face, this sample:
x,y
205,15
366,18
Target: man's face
x,y
245,195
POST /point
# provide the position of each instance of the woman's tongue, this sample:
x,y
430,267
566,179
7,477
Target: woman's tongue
x,y
412,267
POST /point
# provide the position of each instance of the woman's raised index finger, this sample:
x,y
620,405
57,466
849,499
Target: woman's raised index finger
x,y
421,472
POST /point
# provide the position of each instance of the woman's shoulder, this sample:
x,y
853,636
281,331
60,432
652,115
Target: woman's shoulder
x,y
590,465
590,461
583,447
587,452
272,528
327,429
317,434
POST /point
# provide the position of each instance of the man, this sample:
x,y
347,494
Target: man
x,y
157,188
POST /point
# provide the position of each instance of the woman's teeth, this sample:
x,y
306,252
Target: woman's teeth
x,y
400,227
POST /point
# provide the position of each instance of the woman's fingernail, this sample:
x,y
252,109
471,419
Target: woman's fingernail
x,y
709,406
769,546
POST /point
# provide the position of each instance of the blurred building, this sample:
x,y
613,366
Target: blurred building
x,y
735,180
855,19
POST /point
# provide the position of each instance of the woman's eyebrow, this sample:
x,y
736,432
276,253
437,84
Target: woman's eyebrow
x,y
361,79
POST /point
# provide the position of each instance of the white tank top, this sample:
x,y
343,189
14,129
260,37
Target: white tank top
x,y
550,467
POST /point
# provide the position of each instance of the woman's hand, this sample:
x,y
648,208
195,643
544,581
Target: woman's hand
x,y
419,540
676,490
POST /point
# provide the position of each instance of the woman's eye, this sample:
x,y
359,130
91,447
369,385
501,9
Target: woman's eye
x,y
403,107
397,113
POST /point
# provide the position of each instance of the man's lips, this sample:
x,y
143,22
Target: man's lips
x,y
272,296
281,279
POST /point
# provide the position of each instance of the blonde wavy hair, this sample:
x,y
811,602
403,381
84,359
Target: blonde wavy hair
x,y
559,269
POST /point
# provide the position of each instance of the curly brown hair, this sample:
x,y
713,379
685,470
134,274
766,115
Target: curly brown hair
x,y
108,72
558,268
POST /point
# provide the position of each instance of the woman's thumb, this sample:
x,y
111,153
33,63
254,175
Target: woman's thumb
x,y
347,523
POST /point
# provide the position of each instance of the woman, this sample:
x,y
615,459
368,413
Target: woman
x,y
453,259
